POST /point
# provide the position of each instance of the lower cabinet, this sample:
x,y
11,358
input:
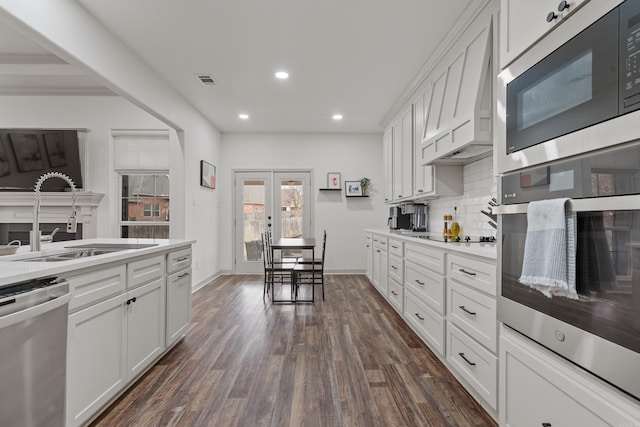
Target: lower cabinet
x,y
124,317
96,358
426,322
178,305
538,388
145,308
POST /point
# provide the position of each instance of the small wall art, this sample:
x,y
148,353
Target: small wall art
x,y
352,188
207,174
333,180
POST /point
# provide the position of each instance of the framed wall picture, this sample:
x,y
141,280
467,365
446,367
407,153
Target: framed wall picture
x,y
333,180
352,188
207,174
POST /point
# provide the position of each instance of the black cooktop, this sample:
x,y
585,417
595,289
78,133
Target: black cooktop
x,y
459,239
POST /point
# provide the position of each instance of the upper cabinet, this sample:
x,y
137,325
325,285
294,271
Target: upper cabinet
x,y
524,22
458,99
403,155
387,152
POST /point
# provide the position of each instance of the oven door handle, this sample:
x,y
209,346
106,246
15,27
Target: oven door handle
x,y
611,203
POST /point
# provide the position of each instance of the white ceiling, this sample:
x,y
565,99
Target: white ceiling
x,y
353,57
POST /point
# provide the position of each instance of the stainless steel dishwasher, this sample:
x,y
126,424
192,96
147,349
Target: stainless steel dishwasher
x,y
33,350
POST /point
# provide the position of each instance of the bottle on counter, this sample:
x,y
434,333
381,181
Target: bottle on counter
x,y
455,227
447,227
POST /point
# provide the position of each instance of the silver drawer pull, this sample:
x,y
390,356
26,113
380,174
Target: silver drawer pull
x,y
184,258
462,270
395,293
419,282
463,308
419,317
182,275
466,360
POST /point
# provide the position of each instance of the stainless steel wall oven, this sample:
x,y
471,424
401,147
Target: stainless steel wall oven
x,y
600,331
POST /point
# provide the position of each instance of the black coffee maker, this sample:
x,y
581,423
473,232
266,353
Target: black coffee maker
x,y
398,220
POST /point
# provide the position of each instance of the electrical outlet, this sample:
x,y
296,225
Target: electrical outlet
x,y
71,224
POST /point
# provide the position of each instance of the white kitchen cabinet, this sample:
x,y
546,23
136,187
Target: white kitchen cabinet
x,y
178,305
145,308
472,325
178,260
427,323
387,155
95,285
396,295
380,269
524,22
96,358
402,142
369,249
538,388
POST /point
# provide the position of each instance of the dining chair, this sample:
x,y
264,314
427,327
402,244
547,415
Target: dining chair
x,y
311,271
275,270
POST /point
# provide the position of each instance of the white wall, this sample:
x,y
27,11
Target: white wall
x,y
353,155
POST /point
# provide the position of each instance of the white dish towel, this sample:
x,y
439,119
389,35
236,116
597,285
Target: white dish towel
x,y
550,249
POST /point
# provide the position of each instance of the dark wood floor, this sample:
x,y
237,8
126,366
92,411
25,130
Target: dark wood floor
x,y
347,361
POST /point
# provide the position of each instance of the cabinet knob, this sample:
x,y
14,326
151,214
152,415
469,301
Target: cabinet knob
x,y
563,5
551,16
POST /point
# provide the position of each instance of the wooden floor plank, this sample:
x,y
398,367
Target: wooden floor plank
x,y
349,360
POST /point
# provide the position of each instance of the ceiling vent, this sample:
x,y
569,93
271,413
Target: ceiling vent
x,y
206,79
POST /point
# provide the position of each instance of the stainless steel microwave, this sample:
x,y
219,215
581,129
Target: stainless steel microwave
x,y
593,77
581,88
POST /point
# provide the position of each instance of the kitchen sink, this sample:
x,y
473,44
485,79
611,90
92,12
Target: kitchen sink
x,y
69,255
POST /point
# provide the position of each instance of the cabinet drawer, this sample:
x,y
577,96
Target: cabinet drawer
x,y
396,295
395,268
178,260
426,285
380,242
428,324
474,313
424,256
475,364
145,270
92,287
538,387
396,247
477,274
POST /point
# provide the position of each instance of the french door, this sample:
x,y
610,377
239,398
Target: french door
x,y
279,201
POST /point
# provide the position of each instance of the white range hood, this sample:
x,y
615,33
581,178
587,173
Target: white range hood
x,y
458,115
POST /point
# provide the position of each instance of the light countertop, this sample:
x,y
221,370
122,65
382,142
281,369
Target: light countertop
x,y
13,271
486,250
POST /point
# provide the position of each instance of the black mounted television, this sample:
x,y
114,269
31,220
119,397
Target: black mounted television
x,y
27,154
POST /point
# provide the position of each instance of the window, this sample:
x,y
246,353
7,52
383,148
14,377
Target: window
x,y
151,210
144,205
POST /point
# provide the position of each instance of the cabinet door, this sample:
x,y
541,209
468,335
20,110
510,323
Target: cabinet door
x,y
523,22
387,147
178,305
423,175
369,249
145,308
96,364
539,388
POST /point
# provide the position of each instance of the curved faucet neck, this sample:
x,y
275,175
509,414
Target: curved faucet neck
x,y
35,233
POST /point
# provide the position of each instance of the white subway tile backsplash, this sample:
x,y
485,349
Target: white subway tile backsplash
x,y
479,187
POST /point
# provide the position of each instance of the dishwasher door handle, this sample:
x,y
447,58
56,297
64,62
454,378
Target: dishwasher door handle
x,y
35,311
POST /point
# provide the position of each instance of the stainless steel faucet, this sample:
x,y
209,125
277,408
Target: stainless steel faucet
x,y
34,238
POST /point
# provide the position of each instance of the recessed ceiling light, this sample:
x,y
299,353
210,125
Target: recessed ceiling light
x,y
337,117
243,116
282,75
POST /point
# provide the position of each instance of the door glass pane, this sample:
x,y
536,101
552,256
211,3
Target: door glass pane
x,y
292,192
253,197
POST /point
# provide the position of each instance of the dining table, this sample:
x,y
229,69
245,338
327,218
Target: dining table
x,y
294,244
